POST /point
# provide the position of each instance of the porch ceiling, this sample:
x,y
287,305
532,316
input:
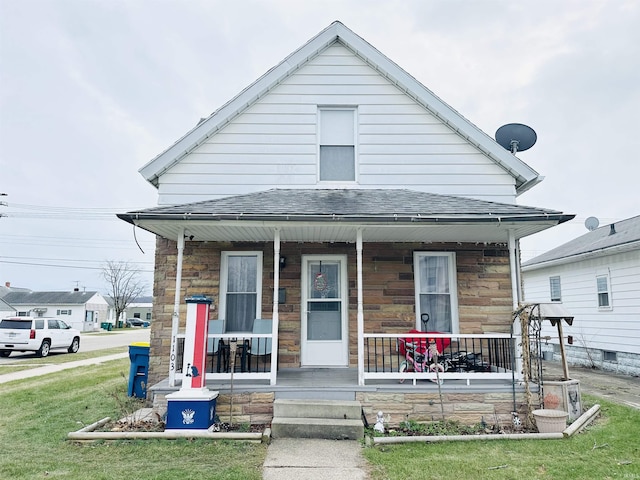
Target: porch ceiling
x,y
244,231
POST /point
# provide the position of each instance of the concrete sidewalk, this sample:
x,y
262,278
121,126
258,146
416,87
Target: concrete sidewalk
x,y
46,369
314,459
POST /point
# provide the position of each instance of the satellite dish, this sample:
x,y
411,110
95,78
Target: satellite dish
x,y
516,137
591,223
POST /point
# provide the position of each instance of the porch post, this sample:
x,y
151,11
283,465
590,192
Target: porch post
x,y
360,314
175,318
515,289
275,318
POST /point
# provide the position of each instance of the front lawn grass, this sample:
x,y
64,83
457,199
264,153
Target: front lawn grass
x,y
36,415
607,449
56,357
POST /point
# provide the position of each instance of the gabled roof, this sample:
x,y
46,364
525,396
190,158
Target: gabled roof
x,y
5,307
525,177
620,236
48,298
333,215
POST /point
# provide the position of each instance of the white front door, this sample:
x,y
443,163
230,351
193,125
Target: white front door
x,y
325,311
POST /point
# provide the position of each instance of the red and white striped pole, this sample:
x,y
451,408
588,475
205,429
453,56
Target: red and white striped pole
x,y
195,343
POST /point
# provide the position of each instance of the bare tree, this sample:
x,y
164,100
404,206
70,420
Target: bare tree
x,y
124,283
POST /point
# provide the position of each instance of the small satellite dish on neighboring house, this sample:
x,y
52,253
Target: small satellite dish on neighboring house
x,y
591,223
516,137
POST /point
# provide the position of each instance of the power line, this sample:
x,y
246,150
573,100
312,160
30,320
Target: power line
x,y
75,267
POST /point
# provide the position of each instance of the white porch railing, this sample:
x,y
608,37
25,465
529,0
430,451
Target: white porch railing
x,y
406,356
247,364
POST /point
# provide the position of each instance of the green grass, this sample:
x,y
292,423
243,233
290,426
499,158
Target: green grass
x,y
57,357
36,415
607,449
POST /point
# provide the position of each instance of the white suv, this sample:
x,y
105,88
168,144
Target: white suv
x,y
36,334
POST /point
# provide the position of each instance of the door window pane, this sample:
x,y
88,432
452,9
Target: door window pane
x,y
325,321
324,280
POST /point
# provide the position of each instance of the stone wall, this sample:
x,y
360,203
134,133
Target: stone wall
x,y
483,280
466,408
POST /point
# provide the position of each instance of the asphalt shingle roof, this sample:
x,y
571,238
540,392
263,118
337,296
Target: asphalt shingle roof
x,y
346,202
48,298
626,232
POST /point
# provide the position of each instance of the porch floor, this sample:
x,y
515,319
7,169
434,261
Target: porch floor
x,y
342,384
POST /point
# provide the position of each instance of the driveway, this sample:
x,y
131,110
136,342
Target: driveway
x,y
623,389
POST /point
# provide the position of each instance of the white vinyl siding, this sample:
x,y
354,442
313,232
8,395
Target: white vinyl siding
x,y
610,329
274,142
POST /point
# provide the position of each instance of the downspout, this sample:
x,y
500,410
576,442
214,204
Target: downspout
x,y
275,318
175,319
515,295
360,315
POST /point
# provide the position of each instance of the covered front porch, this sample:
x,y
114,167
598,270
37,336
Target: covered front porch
x,y
375,249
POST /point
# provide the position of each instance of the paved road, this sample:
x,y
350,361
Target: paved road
x,y
90,342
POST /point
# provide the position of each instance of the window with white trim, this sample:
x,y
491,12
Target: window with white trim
x,y
436,290
337,144
604,294
240,290
555,292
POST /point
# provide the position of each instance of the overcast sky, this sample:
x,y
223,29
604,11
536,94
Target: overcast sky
x,y
90,91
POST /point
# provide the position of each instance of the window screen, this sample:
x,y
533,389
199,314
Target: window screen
x,y
337,145
554,287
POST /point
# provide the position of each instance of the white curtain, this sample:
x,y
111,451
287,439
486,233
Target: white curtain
x,y
241,293
435,297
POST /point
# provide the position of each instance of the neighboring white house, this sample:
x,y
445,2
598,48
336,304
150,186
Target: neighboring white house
x,y
6,309
141,308
597,279
81,310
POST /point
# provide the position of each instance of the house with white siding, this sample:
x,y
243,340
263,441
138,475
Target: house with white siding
x,y
597,279
330,207
80,310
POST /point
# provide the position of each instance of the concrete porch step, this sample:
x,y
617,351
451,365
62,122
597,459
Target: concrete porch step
x,y
328,409
330,429
327,419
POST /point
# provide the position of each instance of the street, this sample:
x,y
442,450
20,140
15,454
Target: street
x,y
90,341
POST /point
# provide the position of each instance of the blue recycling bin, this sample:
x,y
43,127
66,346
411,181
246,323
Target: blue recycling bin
x,y
139,370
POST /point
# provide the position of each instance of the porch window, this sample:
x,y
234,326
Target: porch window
x,y
554,288
241,287
602,284
337,145
436,291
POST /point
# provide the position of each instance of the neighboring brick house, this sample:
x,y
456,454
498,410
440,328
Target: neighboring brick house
x,y
340,199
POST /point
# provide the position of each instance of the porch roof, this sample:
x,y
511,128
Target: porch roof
x,y
317,215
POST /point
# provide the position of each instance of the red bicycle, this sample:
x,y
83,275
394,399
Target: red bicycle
x,y
421,354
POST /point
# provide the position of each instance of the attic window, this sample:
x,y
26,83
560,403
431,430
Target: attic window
x,y
337,150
